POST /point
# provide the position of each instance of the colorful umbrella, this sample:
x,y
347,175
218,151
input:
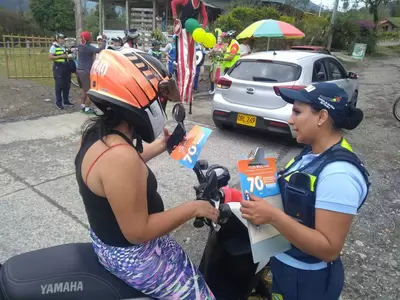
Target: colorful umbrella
x,y
271,29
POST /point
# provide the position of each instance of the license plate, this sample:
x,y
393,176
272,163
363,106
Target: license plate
x,y
246,120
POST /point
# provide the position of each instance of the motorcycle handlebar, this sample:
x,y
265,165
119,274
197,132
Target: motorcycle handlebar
x,y
198,222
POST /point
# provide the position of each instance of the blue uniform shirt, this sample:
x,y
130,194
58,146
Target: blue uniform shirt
x,y
341,188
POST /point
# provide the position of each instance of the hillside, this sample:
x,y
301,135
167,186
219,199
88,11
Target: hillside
x,y
13,4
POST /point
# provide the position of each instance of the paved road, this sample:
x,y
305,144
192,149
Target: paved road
x,y
41,206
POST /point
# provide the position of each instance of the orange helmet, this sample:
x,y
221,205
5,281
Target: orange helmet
x,y
136,86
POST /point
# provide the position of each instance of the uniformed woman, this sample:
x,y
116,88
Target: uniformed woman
x,y
61,71
322,189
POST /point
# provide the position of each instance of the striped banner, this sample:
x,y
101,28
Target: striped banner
x,y
186,65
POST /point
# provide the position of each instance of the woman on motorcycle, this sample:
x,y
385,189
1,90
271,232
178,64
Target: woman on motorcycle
x,y
322,189
129,227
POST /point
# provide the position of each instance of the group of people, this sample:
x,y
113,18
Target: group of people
x,y
64,64
129,225
227,47
322,190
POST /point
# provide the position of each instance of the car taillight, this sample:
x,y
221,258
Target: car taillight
x,y
293,87
224,83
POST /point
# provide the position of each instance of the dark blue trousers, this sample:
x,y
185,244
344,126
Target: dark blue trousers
x,y
294,284
196,79
62,77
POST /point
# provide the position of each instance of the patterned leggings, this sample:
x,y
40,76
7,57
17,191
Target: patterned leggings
x,y
159,269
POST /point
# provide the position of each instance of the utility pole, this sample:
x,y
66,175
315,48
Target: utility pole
x,y
78,18
320,9
333,18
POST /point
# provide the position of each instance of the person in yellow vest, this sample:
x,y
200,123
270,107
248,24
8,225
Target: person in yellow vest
x,y
232,52
61,71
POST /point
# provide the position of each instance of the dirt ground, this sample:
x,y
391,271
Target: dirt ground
x,y
24,99
371,253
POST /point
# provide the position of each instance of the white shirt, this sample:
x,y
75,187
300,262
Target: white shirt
x,y
244,49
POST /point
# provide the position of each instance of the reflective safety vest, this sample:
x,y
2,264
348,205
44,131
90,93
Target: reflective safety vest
x,y
228,64
298,188
156,53
59,51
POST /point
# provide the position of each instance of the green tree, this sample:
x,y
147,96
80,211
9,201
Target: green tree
x,y
374,6
54,15
91,22
109,11
240,17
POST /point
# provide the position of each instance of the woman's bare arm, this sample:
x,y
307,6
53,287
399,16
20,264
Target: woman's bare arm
x,y
153,149
124,179
325,241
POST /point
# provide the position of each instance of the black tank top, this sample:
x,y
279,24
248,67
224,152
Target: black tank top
x,y
100,215
189,11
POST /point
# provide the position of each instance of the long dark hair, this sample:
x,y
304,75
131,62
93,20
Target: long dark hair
x,y
103,123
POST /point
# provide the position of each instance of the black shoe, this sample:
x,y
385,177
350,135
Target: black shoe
x,y
68,104
59,106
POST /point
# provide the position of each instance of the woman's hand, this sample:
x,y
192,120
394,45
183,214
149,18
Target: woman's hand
x,y
206,210
258,211
164,140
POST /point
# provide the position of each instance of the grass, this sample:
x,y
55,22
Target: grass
x,y
386,51
31,64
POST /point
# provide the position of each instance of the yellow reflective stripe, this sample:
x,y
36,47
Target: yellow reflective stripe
x,y
312,180
59,51
345,144
289,163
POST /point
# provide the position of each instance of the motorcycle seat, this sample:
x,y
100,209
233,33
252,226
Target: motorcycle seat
x,y
64,272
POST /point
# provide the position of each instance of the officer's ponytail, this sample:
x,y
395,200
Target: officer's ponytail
x,y
349,118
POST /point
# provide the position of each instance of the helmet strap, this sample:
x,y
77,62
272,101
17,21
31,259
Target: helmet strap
x,y
139,143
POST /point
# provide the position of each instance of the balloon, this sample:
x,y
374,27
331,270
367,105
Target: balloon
x,y
207,29
199,35
209,40
191,24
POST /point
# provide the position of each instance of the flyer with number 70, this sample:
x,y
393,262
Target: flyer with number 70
x,y
188,151
260,179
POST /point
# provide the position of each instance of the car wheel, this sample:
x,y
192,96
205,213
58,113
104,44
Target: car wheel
x,y
354,99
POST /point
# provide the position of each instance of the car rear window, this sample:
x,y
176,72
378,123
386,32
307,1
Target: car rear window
x,y
265,71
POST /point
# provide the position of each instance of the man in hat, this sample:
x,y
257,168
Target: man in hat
x,y
131,39
86,56
186,54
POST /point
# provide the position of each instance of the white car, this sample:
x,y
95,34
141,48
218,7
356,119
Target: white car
x,y
248,95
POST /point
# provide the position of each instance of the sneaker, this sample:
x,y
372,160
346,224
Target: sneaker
x,y
68,104
59,106
211,92
195,91
88,110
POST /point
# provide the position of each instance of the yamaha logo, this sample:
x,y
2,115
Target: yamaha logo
x,y
62,287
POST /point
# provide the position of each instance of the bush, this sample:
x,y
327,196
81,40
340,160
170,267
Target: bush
x,y
389,35
347,31
315,29
158,36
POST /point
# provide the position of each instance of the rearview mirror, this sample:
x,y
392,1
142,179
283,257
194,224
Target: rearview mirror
x,y
352,75
178,113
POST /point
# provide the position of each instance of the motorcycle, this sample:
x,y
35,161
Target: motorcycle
x,y
72,271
